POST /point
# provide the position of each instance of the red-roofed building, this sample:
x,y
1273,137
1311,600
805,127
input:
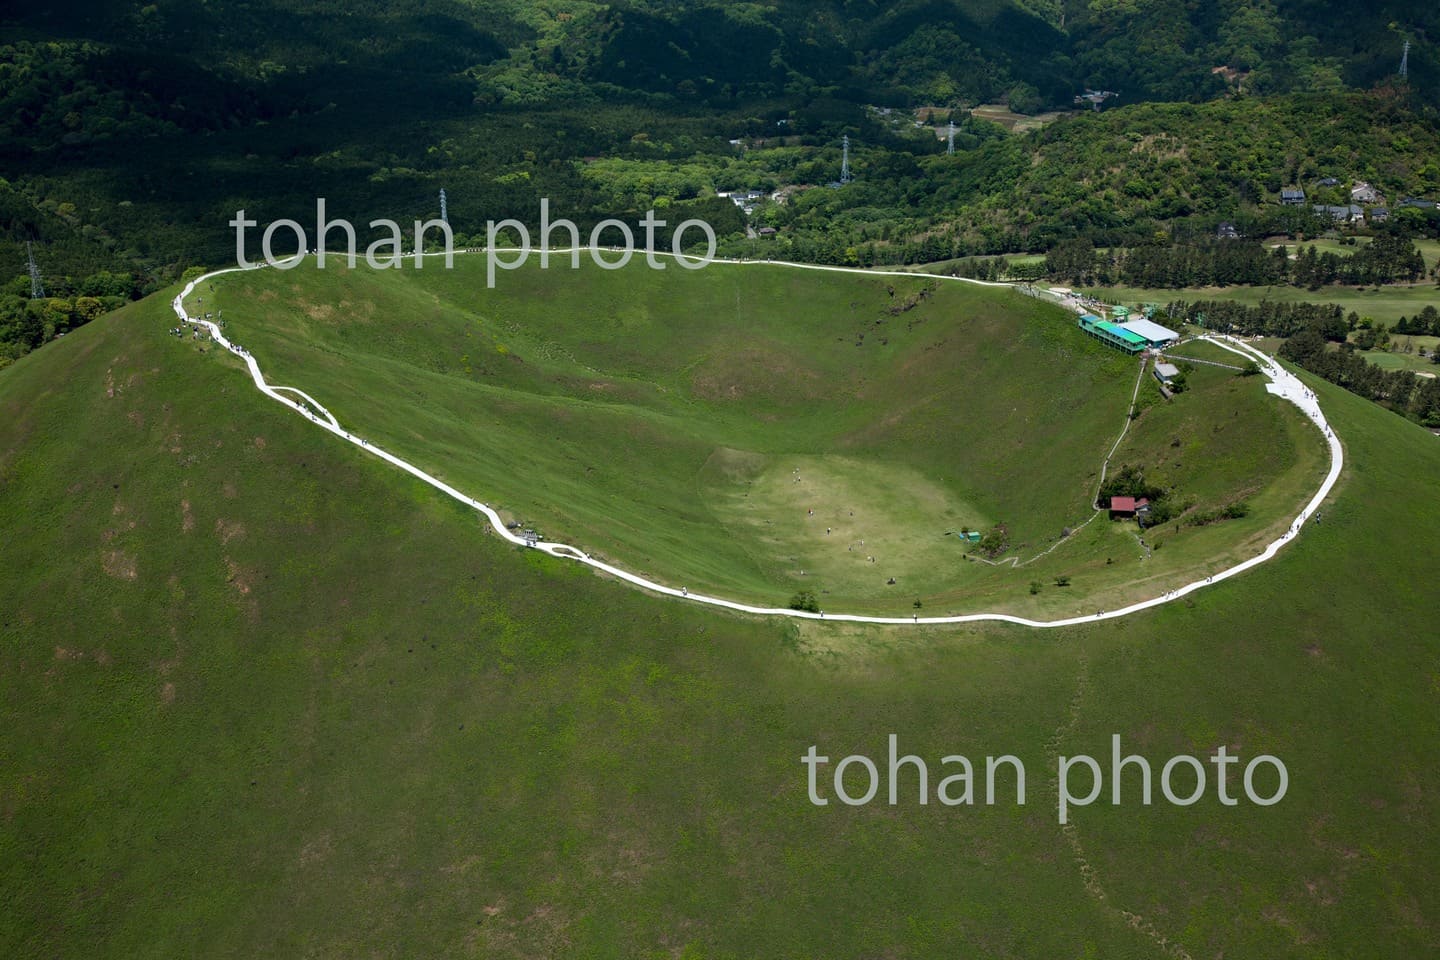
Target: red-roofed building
x,y
1127,507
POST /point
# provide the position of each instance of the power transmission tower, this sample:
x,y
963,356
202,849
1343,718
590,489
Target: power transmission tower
x,y
1405,62
845,160
37,289
950,141
444,211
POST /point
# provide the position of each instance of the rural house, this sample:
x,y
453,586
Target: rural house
x,y
1128,508
1362,192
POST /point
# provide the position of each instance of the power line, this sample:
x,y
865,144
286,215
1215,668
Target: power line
x,y
845,160
444,211
1405,62
37,289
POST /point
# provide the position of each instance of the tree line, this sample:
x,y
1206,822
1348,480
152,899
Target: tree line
x,y
26,324
1269,318
1400,390
1425,323
1388,258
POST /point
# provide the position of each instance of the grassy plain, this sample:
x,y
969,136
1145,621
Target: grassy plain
x,y
1388,360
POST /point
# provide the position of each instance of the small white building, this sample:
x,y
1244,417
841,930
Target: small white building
x,y
1166,372
1154,334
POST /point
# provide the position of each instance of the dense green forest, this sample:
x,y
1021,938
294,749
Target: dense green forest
x,y
132,132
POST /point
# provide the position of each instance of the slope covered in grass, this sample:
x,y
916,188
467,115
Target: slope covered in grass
x,y
260,696
747,429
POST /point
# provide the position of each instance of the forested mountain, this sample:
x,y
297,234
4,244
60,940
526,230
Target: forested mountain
x,y
1120,176
722,52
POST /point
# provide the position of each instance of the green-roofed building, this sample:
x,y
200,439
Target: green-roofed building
x,y
1113,334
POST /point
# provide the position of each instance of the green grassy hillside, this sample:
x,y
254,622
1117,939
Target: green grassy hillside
x,y
261,696
754,430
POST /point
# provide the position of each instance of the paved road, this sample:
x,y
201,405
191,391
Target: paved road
x,y
1283,384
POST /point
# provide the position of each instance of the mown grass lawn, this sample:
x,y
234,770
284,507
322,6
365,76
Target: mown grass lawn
x,y
1386,304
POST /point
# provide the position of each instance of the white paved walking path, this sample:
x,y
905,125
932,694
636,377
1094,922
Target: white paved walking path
x,y
1282,384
